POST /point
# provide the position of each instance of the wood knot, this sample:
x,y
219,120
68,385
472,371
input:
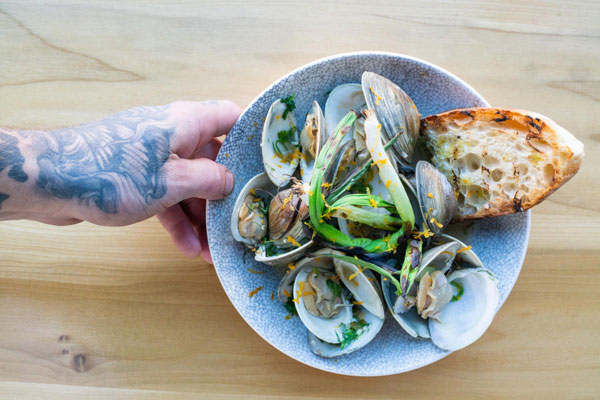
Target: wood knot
x,y
80,363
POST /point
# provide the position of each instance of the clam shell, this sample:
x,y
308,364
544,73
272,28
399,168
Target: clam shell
x,y
328,330
462,322
328,350
340,101
279,170
436,196
395,111
363,286
259,182
312,138
441,258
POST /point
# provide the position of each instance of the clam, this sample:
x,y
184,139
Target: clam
x,y
248,220
340,101
283,149
454,301
251,223
286,214
312,138
396,112
251,218
436,196
340,305
279,144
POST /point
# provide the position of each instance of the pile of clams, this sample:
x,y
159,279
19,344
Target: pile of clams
x,y
354,216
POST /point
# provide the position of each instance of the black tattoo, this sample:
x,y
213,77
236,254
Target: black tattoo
x,y
106,161
11,157
3,196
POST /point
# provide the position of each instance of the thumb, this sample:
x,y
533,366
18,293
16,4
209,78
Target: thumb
x,y
202,178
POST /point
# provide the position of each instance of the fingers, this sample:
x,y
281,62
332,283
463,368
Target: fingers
x,y
197,123
201,178
195,209
174,220
209,150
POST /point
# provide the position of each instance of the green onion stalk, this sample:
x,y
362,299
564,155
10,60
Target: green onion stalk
x,y
386,170
410,266
318,207
355,176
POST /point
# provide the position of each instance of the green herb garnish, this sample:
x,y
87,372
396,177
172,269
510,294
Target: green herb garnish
x,y
315,270
350,333
335,288
270,248
264,207
283,138
460,290
290,105
290,306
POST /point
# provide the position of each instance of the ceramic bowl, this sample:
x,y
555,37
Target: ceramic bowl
x,y
500,242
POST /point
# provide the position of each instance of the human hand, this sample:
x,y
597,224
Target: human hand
x,y
125,168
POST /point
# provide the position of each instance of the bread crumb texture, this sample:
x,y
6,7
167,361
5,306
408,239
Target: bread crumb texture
x,y
500,161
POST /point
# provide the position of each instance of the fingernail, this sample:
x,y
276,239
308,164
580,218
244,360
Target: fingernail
x,y
228,183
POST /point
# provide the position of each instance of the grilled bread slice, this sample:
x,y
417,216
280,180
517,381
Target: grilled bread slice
x,y
500,161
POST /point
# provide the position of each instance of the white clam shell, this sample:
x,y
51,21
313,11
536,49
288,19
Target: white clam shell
x,y
328,350
324,335
279,171
307,162
363,286
261,182
340,101
328,330
463,321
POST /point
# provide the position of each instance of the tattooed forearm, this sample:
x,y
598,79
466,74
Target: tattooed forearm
x,y
11,158
105,162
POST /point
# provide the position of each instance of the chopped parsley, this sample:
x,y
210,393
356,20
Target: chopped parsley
x,y
283,138
335,287
459,289
269,248
290,105
352,332
290,306
264,207
315,270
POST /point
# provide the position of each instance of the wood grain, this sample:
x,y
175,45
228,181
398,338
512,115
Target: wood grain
x,y
98,313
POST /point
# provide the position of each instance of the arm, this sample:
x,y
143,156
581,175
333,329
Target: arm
x,y
123,169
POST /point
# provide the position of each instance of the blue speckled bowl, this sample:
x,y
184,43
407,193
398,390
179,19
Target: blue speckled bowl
x,y
500,242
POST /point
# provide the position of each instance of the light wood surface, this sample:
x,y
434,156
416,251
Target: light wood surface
x,y
98,313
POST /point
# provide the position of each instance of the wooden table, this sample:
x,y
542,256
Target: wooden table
x,y
91,312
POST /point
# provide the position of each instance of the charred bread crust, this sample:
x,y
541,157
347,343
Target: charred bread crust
x,y
535,138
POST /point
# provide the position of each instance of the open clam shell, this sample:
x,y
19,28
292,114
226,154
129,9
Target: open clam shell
x,y
326,329
340,101
261,186
327,337
362,285
396,112
436,197
279,144
464,319
286,258
329,350
312,138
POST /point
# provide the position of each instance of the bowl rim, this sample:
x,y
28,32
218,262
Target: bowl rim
x,y
354,54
